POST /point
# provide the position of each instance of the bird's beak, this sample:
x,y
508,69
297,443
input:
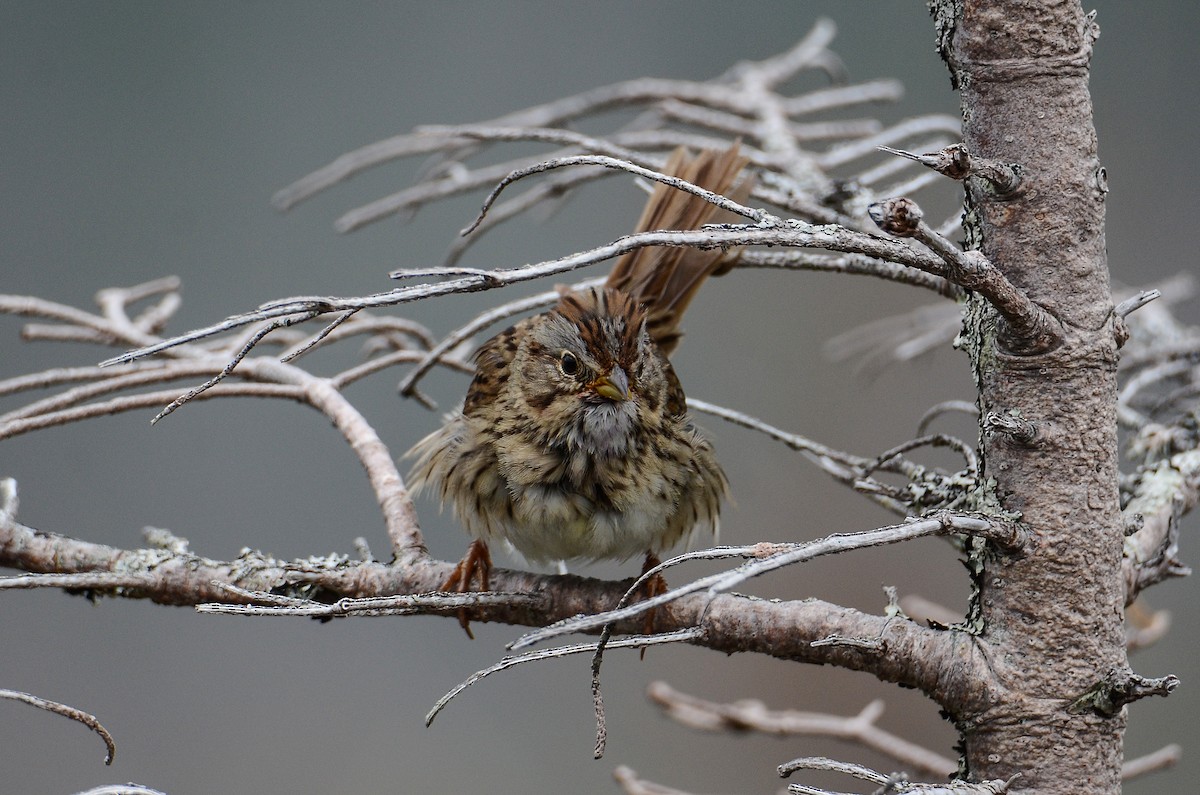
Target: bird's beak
x,y
614,386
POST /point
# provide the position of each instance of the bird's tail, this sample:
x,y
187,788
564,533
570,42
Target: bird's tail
x,y
665,279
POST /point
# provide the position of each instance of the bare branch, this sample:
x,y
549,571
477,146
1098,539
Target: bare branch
x,y
933,440
635,642
723,622
636,91
952,161
1162,494
792,440
374,606
737,126
1031,329
481,322
792,234
224,372
780,68
1167,756
911,185
722,94
928,489
552,191
752,715
758,216
823,763
1150,376
146,400
349,376
455,178
627,777
892,166
957,163
849,263
315,340
87,580
1119,687
898,338
1136,302
917,125
74,714
883,90
945,407
107,383
28,306
897,783
1004,533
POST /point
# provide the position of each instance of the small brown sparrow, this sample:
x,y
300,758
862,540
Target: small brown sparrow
x,y
574,442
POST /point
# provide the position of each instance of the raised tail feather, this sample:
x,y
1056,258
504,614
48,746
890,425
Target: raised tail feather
x,y
666,278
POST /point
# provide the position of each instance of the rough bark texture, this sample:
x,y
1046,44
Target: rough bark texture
x,y
1051,621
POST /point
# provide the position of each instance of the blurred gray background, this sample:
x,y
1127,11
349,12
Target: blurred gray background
x,y
144,139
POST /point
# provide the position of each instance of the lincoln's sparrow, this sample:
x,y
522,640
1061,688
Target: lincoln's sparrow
x,y
574,442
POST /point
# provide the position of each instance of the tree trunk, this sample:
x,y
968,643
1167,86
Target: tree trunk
x,y
1051,623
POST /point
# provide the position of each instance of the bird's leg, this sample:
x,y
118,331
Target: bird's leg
x,y
653,587
477,563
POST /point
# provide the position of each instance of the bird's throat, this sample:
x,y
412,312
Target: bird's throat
x,y
606,429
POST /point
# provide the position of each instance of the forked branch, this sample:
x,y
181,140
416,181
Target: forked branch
x,y
1030,328
753,715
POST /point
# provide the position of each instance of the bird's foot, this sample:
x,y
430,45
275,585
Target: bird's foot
x,y
475,565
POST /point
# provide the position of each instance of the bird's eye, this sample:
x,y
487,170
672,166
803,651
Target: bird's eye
x,y
568,363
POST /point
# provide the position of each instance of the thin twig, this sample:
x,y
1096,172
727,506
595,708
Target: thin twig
x,y
634,642
1136,302
147,373
823,763
74,714
882,90
553,189
28,306
945,407
940,524
629,781
1126,413
358,372
752,715
630,92
844,467
147,400
725,94
851,264
758,216
918,125
229,367
480,322
889,167
759,550
317,338
934,440
854,470
792,234
1167,756
895,783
